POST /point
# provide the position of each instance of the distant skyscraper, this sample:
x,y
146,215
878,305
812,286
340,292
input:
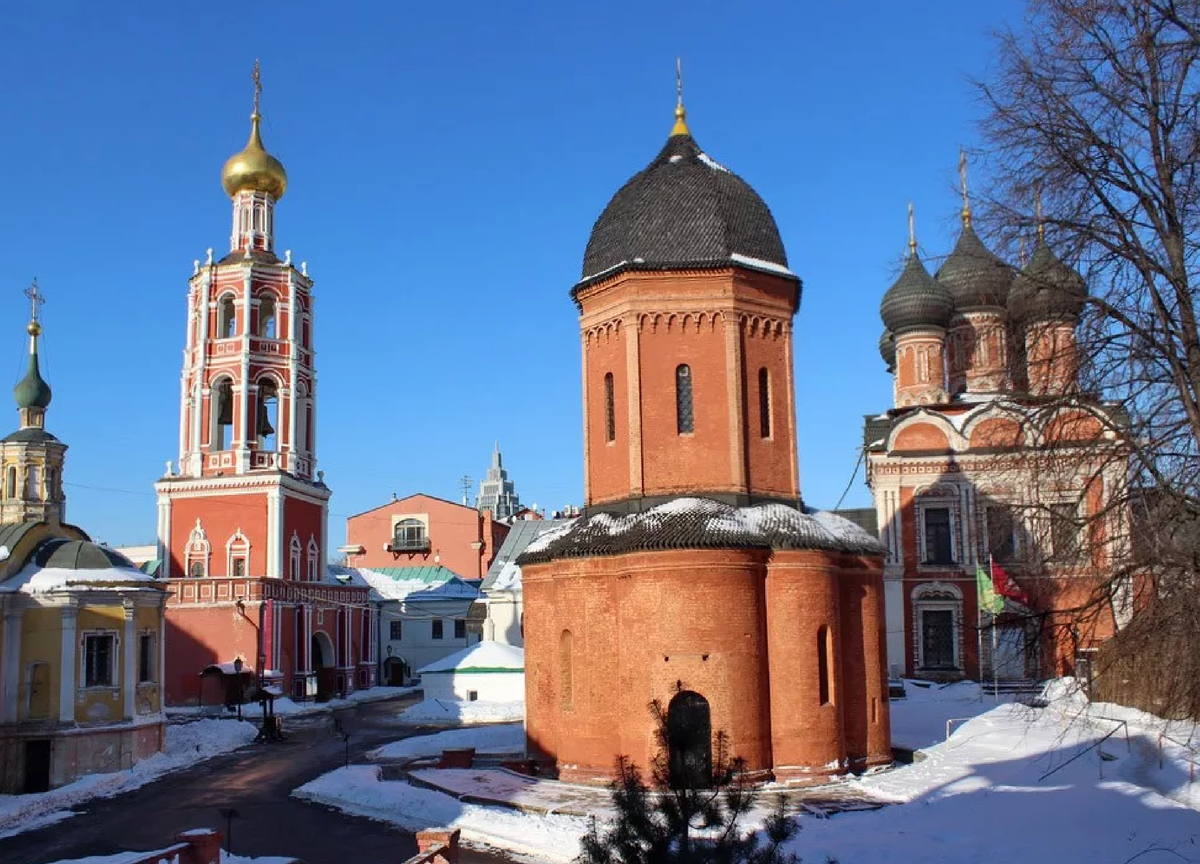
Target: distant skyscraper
x,y
496,491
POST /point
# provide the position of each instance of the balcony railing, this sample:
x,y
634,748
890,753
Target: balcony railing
x,y
408,544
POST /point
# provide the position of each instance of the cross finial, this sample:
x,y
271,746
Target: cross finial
x,y
1037,209
912,231
36,298
680,127
257,76
962,177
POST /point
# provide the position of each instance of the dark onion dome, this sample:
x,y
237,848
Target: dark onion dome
x,y
973,275
887,349
684,210
32,391
79,555
1046,289
915,300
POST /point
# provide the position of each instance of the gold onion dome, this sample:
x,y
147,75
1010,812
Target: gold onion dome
x,y
254,168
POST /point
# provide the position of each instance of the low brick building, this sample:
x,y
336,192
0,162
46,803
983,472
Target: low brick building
x,y
695,575
422,530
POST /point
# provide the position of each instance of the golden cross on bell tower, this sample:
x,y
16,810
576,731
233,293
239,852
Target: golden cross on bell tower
x,y
256,75
962,177
1037,208
36,299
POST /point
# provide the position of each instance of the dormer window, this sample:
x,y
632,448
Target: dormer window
x,y
409,535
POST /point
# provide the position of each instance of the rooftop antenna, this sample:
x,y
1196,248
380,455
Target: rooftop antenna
x,y
465,483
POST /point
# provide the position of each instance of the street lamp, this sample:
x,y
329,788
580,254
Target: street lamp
x,y
237,671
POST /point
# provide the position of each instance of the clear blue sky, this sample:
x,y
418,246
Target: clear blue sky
x,y
446,164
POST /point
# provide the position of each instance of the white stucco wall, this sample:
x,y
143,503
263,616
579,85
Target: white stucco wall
x,y
416,645
489,686
503,621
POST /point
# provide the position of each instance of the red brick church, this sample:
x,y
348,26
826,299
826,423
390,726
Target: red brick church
x,y
696,575
243,519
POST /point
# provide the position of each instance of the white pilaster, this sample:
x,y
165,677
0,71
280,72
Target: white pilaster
x,y
293,372
164,535
129,672
10,662
274,534
67,666
243,453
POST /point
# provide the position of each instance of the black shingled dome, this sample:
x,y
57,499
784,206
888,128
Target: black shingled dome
x,y
1046,289
915,300
683,210
973,275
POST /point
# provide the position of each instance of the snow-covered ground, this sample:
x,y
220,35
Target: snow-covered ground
x,y
450,712
187,743
984,793
360,790
507,738
285,707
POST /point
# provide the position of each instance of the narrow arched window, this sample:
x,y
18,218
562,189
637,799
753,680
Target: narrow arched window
x,y
222,411
764,402
266,317
268,414
33,483
226,318
824,661
566,670
10,483
610,410
684,420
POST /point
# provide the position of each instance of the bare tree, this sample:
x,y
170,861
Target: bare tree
x,y
1096,104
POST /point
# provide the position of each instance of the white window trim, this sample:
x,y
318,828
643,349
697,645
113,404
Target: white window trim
x,y
313,556
941,503
937,597
237,546
113,658
294,557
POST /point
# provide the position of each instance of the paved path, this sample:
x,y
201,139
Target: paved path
x,y
257,782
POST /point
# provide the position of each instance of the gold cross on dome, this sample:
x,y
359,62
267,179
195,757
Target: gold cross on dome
x,y
36,298
962,177
257,76
679,81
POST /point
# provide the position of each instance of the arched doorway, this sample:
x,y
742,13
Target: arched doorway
x,y
689,740
395,671
323,665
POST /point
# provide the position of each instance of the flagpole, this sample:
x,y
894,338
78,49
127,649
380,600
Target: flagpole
x,y
979,626
995,672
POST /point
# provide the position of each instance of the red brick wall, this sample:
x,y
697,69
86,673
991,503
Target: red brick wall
x,y
643,623
197,636
608,461
220,516
453,529
768,460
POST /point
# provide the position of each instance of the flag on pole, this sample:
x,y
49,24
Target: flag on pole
x,y
989,600
1006,587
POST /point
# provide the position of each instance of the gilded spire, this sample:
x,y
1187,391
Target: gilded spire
x,y
254,168
912,231
962,177
680,127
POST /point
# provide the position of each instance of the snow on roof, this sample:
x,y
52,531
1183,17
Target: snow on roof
x,y
32,579
388,587
480,657
504,574
760,264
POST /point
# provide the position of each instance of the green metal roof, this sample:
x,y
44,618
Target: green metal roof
x,y
431,574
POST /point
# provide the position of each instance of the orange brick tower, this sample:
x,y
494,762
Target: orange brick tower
x,y
696,576
242,523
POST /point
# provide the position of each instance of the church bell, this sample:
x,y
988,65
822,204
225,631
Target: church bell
x,y
264,423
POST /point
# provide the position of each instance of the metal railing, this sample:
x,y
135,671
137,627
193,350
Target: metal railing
x,y
1193,753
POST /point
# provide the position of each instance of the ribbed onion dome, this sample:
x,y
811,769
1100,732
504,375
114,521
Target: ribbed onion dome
x,y
1046,289
973,275
684,210
254,168
32,391
887,349
915,300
